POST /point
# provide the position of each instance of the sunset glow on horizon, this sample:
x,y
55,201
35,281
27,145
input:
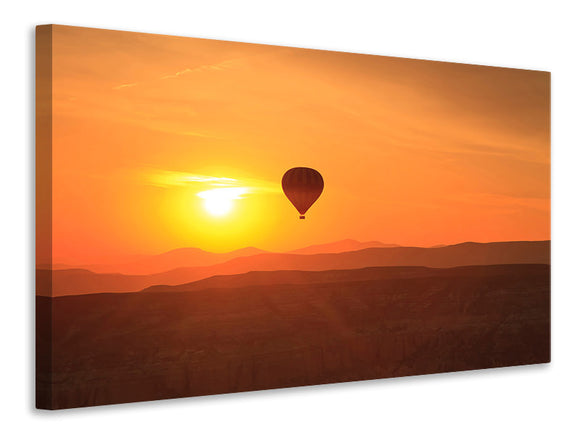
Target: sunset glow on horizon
x,y
164,142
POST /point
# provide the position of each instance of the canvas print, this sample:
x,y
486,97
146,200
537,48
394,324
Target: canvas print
x,y
217,217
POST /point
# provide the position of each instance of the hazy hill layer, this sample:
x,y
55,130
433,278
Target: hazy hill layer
x,y
183,257
286,277
112,348
195,257
66,282
299,277
340,246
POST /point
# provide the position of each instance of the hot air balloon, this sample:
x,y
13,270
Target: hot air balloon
x,y
302,186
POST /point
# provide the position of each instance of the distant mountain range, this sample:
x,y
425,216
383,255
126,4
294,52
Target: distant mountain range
x,y
79,281
340,246
183,257
195,257
300,277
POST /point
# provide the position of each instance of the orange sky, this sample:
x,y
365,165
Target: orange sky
x,y
412,152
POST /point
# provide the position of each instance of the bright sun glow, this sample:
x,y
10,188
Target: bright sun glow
x,y
219,202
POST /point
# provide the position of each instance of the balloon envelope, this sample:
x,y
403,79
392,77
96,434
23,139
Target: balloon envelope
x,y
302,186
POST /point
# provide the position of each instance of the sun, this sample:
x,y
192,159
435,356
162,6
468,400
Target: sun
x,y
218,206
220,202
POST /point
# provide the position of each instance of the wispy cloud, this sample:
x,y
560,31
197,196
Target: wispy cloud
x,y
220,66
126,85
203,182
177,74
224,193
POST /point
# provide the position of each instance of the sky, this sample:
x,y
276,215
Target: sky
x,y
412,152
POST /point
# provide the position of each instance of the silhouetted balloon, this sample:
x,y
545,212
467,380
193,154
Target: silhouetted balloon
x,y
302,186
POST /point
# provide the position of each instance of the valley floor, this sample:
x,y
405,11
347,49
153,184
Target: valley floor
x,y
113,348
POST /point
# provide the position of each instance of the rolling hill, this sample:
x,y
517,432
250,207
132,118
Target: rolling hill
x,y
299,277
195,257
177,258
75,281
111,348
340,246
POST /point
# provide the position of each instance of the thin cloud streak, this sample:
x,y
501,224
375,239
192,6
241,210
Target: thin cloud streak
x,y
220,66
125,85
201,182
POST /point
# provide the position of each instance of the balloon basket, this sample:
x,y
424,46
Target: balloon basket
x,y
302,217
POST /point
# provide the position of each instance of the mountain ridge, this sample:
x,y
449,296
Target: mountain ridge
x,y
193,257
78,281
344,245
299,277
166,261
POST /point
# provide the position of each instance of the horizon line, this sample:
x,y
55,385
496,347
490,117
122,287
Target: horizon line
x,y
290,251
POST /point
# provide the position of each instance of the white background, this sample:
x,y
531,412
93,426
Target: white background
x,y
522,34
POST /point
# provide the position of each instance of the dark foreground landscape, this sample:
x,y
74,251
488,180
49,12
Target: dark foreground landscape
x,y
282,330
